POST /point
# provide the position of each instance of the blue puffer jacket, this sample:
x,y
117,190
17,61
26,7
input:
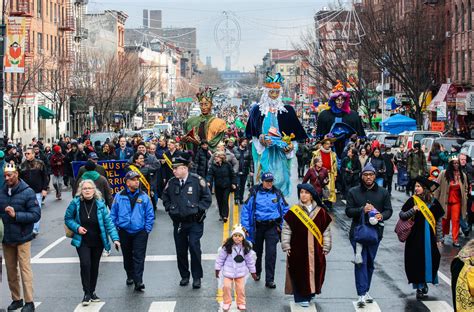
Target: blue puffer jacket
x,y
19,230
262,205
72,221
133,221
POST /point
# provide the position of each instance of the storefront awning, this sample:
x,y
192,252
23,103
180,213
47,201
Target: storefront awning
x,y
184,100
440,97
45,113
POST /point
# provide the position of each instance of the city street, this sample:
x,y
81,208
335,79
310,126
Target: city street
x,y
58,287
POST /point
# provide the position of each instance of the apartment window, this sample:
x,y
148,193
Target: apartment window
x,y
457,65
12,83
40,42
469,66
469,15
24,119
5,81
39,7
18,84
463,13
40,77
456,18
6,119
55,15
50,11
463,66
51,44
18,120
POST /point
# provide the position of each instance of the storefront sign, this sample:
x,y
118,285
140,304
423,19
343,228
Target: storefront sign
x,y
437,126
441,111
470,101
115,170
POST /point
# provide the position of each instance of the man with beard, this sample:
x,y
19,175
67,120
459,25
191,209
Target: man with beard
x,y
274,129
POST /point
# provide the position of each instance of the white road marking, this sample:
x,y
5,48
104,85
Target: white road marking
x,y
162,306
369,307
161,258
438,306
92,307
444,278
294,307
37,304
49,247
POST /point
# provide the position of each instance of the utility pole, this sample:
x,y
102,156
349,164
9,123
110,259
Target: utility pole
x,y
2,73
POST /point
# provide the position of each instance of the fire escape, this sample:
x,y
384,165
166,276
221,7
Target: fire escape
x,y
66,29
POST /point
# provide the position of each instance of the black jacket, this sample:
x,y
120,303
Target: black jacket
x,y
201,162
358,196
351,177
188,203
19,230
35,174
245,159
223,176
388,160
379,165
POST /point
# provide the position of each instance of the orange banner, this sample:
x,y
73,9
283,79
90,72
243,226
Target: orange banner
x,y
437,126
15,45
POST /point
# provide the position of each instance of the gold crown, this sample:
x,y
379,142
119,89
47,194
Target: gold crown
x,y
10,168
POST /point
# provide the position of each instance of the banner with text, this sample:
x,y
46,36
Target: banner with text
x,y
115,170
16,45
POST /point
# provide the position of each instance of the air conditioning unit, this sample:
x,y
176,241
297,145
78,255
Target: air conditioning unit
x,y
448,34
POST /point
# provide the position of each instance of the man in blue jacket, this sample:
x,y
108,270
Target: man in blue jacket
x,y
262,217
19,210
132,213
123,152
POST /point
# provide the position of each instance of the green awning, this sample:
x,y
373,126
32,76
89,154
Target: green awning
x,y
168,103
45,113
184,100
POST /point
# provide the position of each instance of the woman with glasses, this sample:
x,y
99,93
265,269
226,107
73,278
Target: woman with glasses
x,y
88,218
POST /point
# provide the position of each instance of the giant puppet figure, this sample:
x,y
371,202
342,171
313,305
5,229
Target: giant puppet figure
x,y
274,129
339,120
204,127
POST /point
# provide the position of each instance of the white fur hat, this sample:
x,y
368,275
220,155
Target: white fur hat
x,y
238,229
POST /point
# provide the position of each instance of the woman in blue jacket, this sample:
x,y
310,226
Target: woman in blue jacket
x,y
88,217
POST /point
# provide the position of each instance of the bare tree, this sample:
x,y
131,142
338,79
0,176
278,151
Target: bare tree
x,y
57,88
407,46
25,84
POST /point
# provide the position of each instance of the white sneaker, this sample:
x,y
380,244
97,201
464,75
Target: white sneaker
x,y
106,253
361,302
368,298
357,259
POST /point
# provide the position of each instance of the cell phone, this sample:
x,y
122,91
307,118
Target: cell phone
x,y
117,248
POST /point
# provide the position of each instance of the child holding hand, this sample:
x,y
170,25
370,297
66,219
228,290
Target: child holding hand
x,y
235,259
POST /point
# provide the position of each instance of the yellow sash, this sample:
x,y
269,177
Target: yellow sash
x,y
306,220
426,212
142,179
168,161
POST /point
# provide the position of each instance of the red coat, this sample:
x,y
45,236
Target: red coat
x,y
57,164
318,179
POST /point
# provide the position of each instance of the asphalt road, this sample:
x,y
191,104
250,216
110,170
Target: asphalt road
x,y
58,287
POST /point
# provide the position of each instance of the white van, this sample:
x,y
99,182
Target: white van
x,y
408,137
159,128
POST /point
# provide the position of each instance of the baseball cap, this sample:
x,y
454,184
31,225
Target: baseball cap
x,y
93,155
131,174
267,176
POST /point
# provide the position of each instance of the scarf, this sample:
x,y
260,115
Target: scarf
x,y
90,175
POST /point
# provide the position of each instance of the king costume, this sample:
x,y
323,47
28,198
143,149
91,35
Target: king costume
x,y
271,120
205,127
341,122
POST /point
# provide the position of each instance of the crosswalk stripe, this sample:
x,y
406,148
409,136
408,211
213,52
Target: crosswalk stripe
x,y
37,304
162,306
92,307
294,307
151,258
438,306
369,307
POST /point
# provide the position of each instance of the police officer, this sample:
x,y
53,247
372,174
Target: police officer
x,y
262,217
186,198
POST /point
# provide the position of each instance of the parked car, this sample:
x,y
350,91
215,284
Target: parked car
x,y
447,143
468,149
372,135
408,137
162,127
102,137
387,140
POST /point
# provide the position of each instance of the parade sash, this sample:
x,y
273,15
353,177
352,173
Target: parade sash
x,y
141,178
426,212
168,161
306,220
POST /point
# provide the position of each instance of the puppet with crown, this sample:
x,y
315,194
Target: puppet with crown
x,y
339,120
204,127
274,129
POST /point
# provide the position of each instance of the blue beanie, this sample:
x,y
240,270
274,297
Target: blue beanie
x,y
368,168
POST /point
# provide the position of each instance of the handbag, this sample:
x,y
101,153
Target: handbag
x,y
365,234
68,231
403,229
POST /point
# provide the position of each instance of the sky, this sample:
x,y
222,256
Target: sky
x,y
264,24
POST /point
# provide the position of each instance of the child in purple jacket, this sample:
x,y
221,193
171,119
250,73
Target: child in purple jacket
x,y
236,259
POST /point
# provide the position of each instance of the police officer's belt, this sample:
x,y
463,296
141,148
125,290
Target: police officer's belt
x,y
264,222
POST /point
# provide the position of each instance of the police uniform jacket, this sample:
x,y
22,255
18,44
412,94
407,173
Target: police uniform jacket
x,y
188,203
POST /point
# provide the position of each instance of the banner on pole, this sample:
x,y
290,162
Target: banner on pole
x,y
15,45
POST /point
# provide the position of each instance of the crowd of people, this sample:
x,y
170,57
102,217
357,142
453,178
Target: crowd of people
x,y
183,172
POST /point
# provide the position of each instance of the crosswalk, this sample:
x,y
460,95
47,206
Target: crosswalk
x,y
170,306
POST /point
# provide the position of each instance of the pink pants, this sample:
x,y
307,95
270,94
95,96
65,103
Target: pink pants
x,y
239,289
